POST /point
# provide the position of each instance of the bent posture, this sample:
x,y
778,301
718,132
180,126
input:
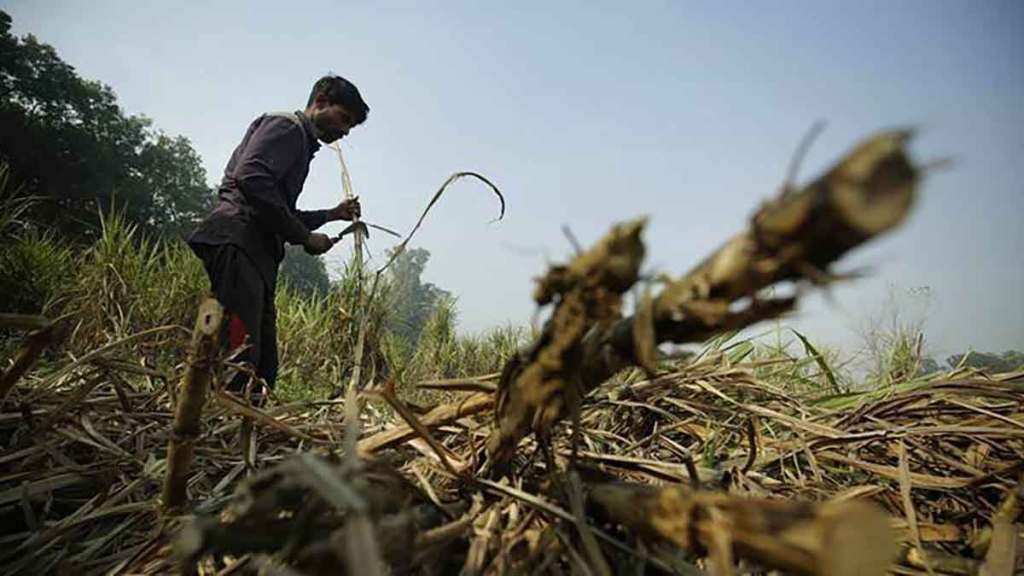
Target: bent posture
x,y
241,243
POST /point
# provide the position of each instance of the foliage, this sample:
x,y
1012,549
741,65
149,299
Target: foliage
x,y
127,282
33,263
305,273
991,362
35,268
414,301
786,359
13,204
68,142
317,335
893,339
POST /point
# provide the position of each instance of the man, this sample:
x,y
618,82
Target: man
x,y
241,243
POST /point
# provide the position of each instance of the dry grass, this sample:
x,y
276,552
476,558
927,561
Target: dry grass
x,y
84,443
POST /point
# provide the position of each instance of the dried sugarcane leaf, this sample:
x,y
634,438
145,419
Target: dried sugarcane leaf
x,y
1004,551
908,505
252,414
397,250
441,415
42,487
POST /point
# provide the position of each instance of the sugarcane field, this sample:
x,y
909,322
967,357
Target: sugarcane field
x,y
680,289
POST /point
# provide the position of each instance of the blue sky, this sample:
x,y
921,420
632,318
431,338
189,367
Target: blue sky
x,y
586,113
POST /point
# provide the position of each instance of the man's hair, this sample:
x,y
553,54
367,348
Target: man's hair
x,y
338,90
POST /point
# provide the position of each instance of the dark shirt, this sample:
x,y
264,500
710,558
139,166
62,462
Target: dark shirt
x,y
256,199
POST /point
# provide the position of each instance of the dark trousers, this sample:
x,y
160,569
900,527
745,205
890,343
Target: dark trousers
x,y
249,307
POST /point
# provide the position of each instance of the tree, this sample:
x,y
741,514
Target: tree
x,y
414,300
992,362
305,273
68,142
928,367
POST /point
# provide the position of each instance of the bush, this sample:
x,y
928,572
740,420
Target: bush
x,y
126,283
36,269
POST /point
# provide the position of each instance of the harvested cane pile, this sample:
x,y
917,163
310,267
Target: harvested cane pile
x,y
569,461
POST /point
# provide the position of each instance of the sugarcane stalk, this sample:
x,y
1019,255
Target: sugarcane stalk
x,y
358,239
191,396
794,237
820,539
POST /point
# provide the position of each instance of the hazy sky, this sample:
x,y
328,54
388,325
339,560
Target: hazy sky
x,y
586,113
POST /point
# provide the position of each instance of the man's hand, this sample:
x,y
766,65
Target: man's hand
x,y
347,210
318,243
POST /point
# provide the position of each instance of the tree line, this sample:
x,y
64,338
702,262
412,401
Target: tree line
x,y
69,143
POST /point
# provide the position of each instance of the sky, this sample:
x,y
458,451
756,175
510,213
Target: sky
x,y
588,113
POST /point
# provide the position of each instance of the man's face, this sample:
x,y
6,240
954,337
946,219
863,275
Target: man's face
x,y
331,121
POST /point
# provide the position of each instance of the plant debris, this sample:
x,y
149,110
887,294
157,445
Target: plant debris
x,y
83,492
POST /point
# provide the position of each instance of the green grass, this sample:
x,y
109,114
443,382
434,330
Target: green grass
x,y
125,283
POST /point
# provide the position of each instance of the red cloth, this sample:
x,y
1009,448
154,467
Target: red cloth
x,y
236,332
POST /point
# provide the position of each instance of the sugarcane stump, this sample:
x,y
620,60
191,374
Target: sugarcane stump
x,y
191,397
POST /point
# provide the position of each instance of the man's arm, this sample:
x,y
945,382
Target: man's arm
x,y
314,219
272,150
